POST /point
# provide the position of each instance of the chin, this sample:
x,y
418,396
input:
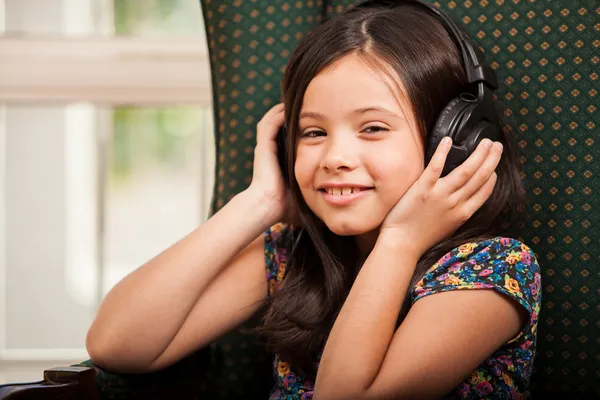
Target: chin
x,y
351,226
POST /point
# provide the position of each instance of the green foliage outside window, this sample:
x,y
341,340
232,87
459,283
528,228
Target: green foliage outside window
x,y
158,17
144,137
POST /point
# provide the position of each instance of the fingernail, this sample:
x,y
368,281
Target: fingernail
x,y
499,146
446,141
487,144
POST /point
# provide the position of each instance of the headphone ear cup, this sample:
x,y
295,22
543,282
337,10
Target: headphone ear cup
x,y
468,128
442,126
476,122
482,130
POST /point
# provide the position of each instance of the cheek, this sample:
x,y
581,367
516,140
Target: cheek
x,y
304,176
396,176
305,166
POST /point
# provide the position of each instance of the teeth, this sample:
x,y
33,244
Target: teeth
x,y
341,191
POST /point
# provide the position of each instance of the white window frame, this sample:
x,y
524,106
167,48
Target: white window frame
x,y
104,70
95,69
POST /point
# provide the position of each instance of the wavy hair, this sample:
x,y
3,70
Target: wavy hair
x,y
322,266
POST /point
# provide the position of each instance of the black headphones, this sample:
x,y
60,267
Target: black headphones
x,y
468,118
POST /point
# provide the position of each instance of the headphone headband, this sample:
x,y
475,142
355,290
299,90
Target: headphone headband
x,y
473,60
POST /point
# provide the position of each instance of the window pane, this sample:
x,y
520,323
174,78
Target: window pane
x,y
90,194
158,17
103,17
57,17
156,192
48,189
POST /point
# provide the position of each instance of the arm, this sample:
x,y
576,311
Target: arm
x,y
441,341
201,287
363,330
362,350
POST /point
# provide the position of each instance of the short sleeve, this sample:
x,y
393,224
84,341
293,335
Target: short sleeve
x,y
502,264
275,256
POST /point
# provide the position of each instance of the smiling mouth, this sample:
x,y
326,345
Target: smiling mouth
x,y
343,191
344,196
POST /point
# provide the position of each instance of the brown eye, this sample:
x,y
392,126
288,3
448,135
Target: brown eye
x,y
375,129
312,134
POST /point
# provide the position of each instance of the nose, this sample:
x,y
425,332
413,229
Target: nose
x,y
340,155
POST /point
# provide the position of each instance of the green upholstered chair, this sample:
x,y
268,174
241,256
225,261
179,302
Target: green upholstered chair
x,y
547,57
546,54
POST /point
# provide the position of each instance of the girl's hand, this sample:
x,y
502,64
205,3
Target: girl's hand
x,y
267,181
434,208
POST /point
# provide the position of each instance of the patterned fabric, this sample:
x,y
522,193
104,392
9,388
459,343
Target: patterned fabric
x,y
509,267
289,386
547,56
187,379
501,264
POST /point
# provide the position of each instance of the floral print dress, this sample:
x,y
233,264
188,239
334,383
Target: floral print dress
x,y
502,264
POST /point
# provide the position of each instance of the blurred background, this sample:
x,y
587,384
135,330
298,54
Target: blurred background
x,y
106,143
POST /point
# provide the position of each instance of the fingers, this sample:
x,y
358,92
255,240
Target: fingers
x,y
473,203
434,170
456,179
483,173
268,127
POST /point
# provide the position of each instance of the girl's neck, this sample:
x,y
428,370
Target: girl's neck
x,y
365,243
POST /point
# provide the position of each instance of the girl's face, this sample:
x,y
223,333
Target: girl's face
x,y
358,149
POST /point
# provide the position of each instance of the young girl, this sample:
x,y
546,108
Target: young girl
x,y
393,281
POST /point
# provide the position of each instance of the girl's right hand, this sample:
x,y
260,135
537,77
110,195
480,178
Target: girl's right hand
x,y
267,181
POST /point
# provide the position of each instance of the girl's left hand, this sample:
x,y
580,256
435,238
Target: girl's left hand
x,y
434,208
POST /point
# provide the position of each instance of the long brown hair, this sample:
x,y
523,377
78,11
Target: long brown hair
x,y
322,266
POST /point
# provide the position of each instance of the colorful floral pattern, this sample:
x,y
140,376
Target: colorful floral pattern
x,y
502,264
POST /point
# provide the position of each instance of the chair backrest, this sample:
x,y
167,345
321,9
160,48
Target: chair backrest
x,y
546,54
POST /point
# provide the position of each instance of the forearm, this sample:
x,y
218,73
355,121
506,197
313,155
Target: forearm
x,y
141,315
365,325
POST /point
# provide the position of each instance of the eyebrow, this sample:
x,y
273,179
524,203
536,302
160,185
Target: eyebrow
x,y
358,111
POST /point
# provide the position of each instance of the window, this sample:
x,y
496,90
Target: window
x,y
107,140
